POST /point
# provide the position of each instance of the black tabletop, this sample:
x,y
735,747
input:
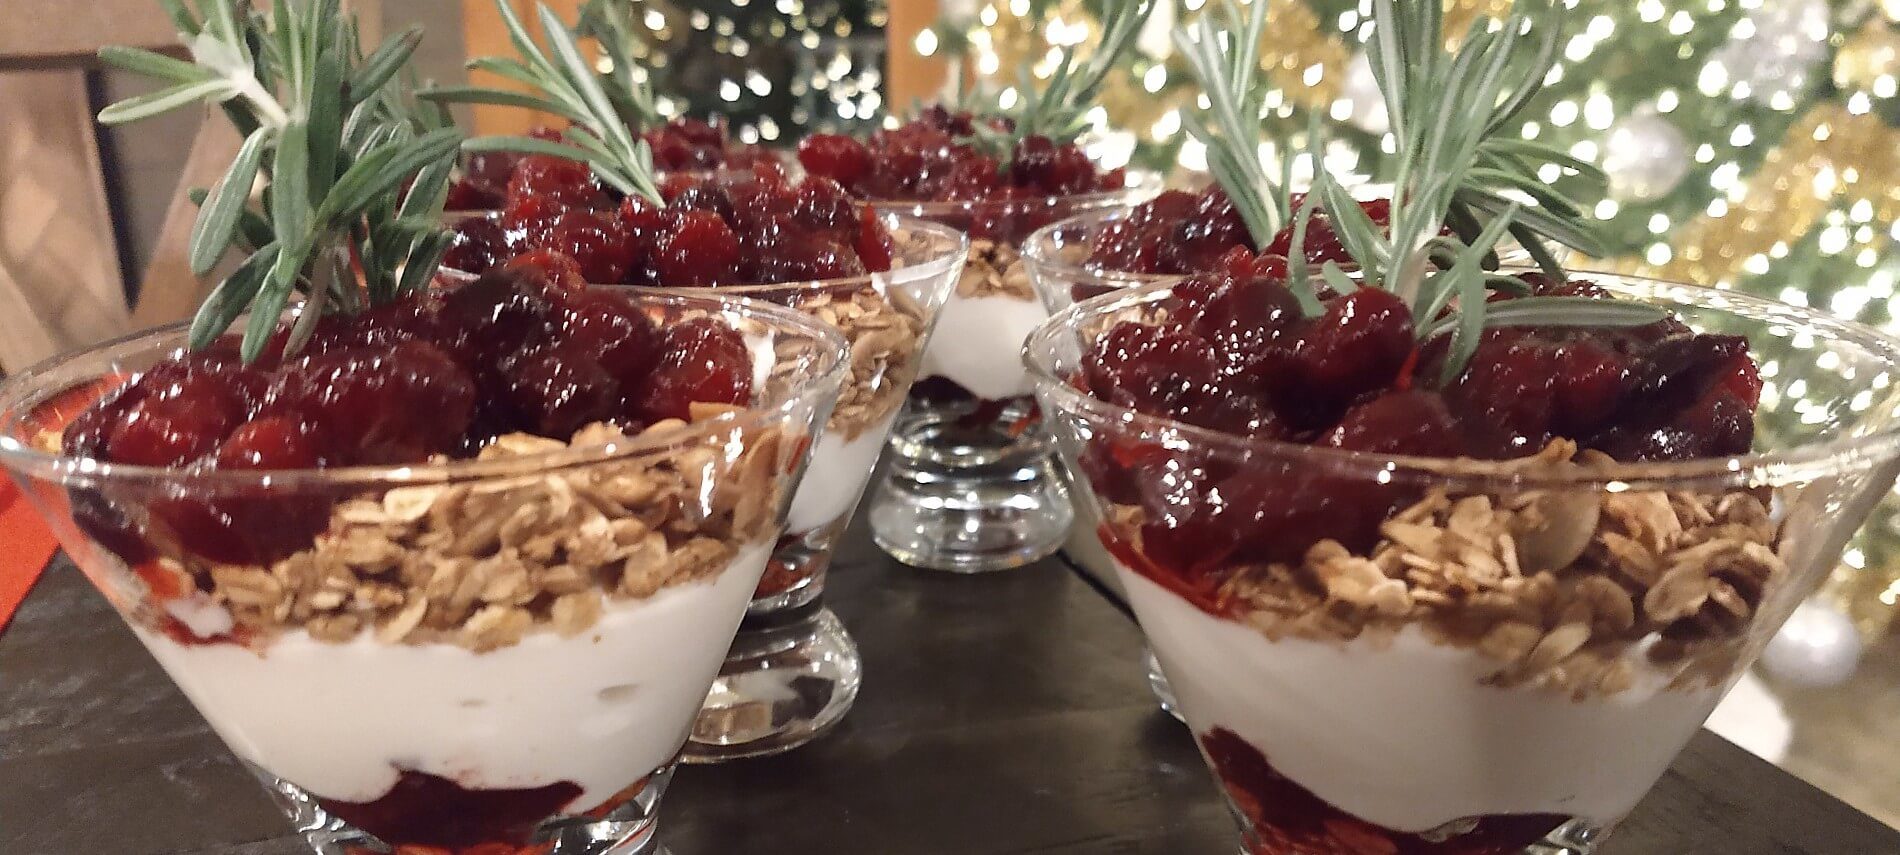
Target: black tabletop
x,y
1000,714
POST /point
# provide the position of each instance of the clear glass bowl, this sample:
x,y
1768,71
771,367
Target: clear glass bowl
x,y
1056,257
1487,652
971,487
499,652
994,308
794,671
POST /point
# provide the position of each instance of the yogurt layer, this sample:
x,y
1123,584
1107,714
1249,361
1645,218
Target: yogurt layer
x,y
1400,731
601,709
836,476
978,344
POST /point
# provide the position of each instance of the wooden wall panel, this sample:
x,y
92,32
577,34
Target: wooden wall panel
x,y
910,76
55,33
60,283
484,34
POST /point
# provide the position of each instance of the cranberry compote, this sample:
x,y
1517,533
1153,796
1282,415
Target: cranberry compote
x,y
681,145
934,158
1286,817
750,227
1234,354
524,348
1178,233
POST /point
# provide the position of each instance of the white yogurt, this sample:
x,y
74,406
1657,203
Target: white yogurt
x,y
979,343
1402,734
836,476
600,710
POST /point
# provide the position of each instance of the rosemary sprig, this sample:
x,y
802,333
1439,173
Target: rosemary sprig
x,y
331,140
631,91
1453,167
1223,51
1059,109
565,84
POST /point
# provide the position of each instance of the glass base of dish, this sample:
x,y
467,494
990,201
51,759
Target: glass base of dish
x,y
629,827
787,681
969,499
1158,684
1575,837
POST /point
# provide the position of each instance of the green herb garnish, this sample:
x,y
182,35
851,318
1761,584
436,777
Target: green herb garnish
x,y
1447,109
332,140
604,125
1059,110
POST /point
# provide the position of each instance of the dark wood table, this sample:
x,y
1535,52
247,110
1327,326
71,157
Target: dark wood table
x,y
1000,714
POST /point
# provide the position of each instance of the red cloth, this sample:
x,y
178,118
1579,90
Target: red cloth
x,y
25,548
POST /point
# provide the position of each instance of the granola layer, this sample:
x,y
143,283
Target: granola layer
x,y
1567,591
995,269
885,328
482,564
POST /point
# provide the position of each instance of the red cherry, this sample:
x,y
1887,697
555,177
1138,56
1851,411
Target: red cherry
x,y
621,337
560,388
875,246
554,179
840,158
477,245
273,442
602,252
701,250
397,404
171,431
702,361
1416,423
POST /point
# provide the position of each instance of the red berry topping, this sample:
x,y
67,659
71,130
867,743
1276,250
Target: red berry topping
x,y
394,405
525,347
841,158
702,360
272,442
560,387
622,338
1233,353
701,250
931,158
554,179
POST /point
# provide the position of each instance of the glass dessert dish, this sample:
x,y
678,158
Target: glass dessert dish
x,y
970,486
1381,652
499,654
880,280
1074,259
793,672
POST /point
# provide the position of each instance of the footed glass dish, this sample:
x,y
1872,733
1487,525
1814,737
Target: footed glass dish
x,y
501,654
1383,653
971,485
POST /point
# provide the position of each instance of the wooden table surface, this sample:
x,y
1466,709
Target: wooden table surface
x,y
1000,714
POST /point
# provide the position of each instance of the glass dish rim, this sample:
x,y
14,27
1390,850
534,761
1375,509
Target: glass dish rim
x,y
937,265
1037,250
1801,463
28,389
1140,184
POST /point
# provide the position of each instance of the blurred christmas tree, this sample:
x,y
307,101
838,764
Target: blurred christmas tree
x,y
775,70
1751,144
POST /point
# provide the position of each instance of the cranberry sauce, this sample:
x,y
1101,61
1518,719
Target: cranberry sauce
x,y
1285,818
525,348
749,227
681,145
932,159
1178,233
1235,355
425,810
